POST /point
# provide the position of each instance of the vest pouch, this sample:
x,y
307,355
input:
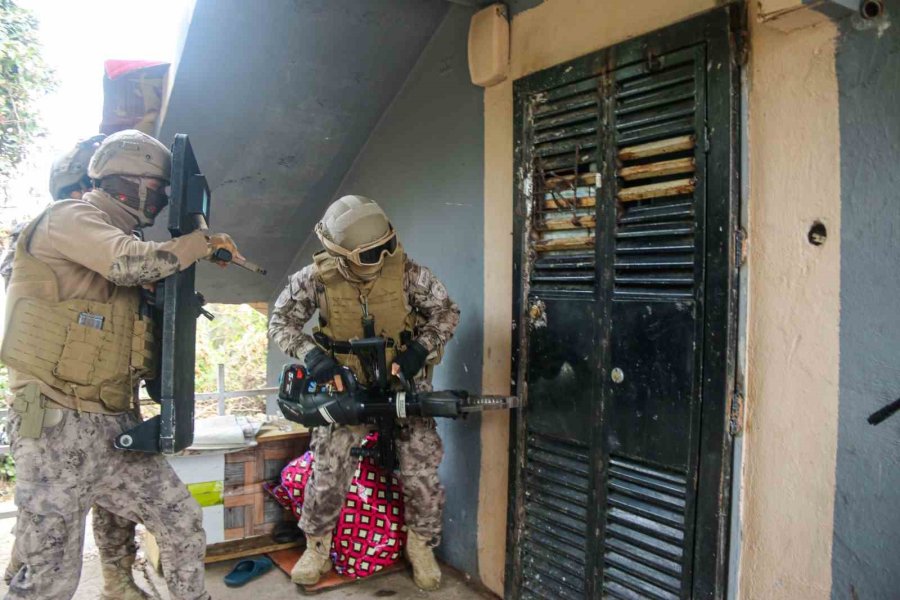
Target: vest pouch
x,y
116,396
75,346
80,353
341,306
143,348
29,406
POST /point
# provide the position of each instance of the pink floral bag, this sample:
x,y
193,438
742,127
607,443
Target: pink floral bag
x,y
370,533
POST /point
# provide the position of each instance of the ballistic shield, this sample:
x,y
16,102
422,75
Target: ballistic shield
x,y
175,308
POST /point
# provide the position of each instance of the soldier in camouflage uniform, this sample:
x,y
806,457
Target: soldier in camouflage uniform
x,y
68,181
364,270
114,535
76,345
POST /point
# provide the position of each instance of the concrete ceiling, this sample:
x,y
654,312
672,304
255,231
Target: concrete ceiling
x,y
278,98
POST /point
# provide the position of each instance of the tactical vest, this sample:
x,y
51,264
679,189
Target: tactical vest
x,y
94,352
343,303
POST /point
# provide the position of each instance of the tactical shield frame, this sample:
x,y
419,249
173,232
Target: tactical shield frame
x,y
177,306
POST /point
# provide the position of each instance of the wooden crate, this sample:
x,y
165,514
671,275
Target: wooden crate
x,y
249,509
250,512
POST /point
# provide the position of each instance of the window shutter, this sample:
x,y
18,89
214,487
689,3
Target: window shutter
x,y
624,301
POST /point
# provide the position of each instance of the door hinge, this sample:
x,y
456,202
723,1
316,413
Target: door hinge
x,y
706,139
736,418
740,247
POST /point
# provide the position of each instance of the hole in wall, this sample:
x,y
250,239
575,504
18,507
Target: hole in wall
x,y
871,9
817,234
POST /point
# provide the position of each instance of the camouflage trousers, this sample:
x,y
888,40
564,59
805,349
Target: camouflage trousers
x,y
74,466
419,450
113,534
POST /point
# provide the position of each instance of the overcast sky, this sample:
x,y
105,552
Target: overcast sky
x,y
77,37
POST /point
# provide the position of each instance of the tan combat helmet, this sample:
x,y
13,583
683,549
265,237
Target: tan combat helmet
x,y
131,153
356,229
125,163
70,170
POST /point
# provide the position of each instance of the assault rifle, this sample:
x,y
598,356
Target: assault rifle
x,y
380,402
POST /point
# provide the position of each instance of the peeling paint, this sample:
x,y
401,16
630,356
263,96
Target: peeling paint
x,y
537,314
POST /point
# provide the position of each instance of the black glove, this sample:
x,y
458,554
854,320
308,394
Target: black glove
x,y
412,359
320,366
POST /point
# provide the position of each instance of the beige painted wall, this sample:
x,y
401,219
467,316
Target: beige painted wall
x,y
551,33
498,293
791,433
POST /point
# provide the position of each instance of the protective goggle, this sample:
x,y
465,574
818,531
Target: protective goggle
x,y
371,254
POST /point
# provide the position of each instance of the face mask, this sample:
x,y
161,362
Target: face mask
x,y
365,272
136,197
153,203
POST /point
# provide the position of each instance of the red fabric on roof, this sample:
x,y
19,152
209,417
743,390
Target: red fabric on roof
x,y
117,68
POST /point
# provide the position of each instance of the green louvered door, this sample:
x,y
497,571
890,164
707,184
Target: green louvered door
x,y
625,223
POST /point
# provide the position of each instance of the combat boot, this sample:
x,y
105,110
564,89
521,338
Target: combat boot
x,y
426,572
118,581
315,562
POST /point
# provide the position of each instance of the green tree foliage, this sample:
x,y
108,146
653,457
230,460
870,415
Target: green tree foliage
x,y
4,381
235,338
24,79
7,468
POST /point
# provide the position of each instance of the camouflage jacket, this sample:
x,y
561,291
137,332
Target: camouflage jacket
x,y
89,246
297,304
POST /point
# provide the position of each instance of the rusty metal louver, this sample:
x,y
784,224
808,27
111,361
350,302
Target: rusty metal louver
x,y
564,184
554,543
655,112
645,521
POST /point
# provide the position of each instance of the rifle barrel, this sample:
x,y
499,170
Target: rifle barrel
x,y
482,403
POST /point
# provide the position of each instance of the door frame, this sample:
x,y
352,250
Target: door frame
x,y
722,30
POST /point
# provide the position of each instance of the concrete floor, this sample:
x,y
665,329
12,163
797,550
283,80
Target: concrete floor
x,y
274,585
398,586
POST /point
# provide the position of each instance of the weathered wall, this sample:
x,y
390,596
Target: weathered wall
x,y
866,541
278,98
792,404
423,163
819,487
543,34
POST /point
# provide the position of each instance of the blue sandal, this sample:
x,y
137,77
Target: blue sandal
x,y
247,569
